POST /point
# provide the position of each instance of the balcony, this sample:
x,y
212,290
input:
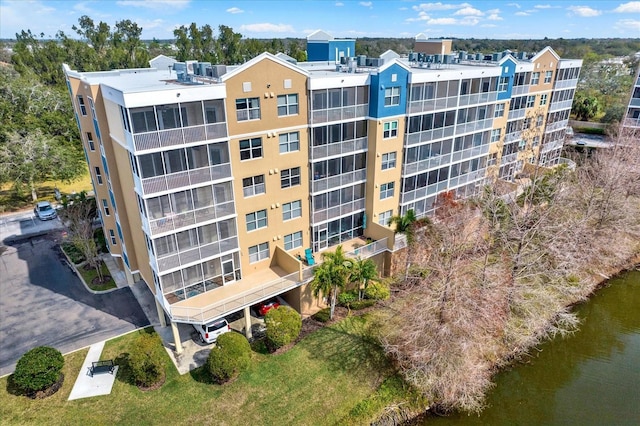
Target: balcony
x,y
557,106
338,148
180,136
236,296
337,211
565,84
429,105
177,221
477,98
339,114
474,126
195,255
516,114
558,125
185,179
430,135
519,90
333,182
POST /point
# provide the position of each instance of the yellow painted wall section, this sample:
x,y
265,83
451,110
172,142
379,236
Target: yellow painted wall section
x,y
547,61
378,146
272,163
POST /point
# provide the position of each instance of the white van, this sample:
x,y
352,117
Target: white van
x,y
209,332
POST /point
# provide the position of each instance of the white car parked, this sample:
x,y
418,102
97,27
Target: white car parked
x,y
45,211
209,332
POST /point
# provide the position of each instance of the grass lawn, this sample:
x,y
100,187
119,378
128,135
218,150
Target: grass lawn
x,y
333,376
11,202
90,274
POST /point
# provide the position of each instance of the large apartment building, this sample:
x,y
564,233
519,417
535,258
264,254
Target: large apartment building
x,y
217,184
631,120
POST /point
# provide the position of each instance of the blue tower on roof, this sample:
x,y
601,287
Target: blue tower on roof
x,y
321,46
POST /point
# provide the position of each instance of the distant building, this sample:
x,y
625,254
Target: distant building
x,y
217,185
632,117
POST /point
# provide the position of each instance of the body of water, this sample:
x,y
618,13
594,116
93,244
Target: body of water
x,y
589,378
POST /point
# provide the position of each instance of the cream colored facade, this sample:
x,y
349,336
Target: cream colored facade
x,y
226,190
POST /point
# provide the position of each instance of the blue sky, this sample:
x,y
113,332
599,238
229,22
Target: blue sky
x,y
343,18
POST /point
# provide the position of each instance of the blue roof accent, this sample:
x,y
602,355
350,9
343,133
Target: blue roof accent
x,y
508,66
330,50
382,81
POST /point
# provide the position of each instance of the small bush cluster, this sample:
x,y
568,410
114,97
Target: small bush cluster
x,y
322,315
38,369
229,357
377,291
145,361
283,326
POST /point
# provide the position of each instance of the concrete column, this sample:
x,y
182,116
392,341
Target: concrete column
x,y
163,321
247,323
176,337
129,276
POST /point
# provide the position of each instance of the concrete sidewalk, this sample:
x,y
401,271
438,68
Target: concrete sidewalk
x,y
86,385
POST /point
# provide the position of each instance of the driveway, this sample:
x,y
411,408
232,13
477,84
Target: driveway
x,y
43,303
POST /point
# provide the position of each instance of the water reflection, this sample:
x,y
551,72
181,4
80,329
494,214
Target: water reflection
x,y
590,378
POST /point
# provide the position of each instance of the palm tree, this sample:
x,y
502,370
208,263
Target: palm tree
x,y
331,276
406,225
362,272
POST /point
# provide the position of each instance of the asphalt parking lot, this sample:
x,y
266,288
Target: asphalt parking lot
x,y
44,303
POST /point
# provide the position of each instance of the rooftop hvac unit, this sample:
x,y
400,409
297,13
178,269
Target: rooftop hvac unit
x,y
479,56
421,57
202,68
437,59
488,57
218,70
343,60
495,57
413,57
522,55
377,62
445,59
362,60
462,55
191,67
471,57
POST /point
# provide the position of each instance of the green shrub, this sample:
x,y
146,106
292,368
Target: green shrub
x,y
145,361
98,236
283,326
346,298
38,369
361,304
231,355
74,254
377,291
322,315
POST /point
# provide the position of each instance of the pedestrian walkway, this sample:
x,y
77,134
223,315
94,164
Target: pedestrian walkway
x,y
118,275
86,385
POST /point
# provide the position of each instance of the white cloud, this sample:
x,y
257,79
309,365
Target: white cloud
x,y
366,3
488,25
469,11
543,6
155,4
422,16
150,24
443,21
339,4
628,24
403,8
584,11
631,7
266,27
516,5
427,7
522,14
494,17
234,10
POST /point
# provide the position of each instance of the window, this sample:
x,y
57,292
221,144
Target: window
x,y
253,185
535,78
292,241
547,77
90,142
287,105
392,96
82,106
386,190
495,135
531,101
503,84
539,120
535,141
256,220
105,206
543,99
499,110
383,218
388,161
290,177
390,129
248,109
259,252
292,210
250,148
98,176
112,237
289,142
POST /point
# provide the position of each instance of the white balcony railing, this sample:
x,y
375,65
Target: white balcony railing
x,y
339,148
174,222
338,114
270,289
339,180
186,178
180,136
